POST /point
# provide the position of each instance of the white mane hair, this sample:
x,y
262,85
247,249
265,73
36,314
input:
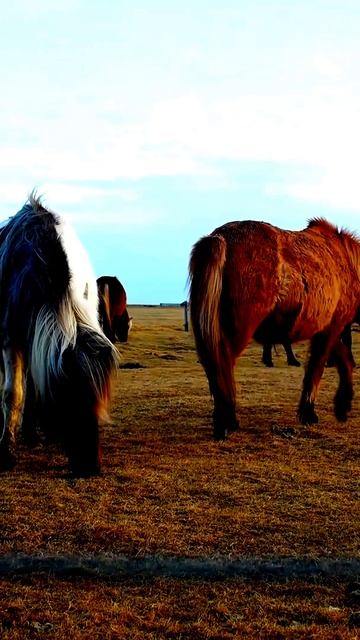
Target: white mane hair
x,y
83,286
55,332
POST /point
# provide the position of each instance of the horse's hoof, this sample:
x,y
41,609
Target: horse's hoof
x,y
7,461
341,416
294,363
220,434
85,472
307,416
341,413
234,426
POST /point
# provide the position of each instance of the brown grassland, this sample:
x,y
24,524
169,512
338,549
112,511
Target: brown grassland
x,y
273,490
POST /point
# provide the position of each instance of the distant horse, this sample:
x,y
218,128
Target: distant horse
x,y
50,338
293,362
267,356
251,279
114,317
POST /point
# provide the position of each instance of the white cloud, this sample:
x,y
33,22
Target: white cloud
x,y
137,218
191,135
333,189
24,7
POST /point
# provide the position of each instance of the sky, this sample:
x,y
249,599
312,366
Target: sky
x,y
147,123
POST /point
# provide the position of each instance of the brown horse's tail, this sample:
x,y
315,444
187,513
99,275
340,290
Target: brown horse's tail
x,y
104,312
205,275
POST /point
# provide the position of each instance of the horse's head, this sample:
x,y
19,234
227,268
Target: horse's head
x,y
122,326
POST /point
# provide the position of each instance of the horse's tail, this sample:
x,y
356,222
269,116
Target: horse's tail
x,y
206,276
105,311
106,296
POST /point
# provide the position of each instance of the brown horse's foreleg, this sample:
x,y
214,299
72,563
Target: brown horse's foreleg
x,y
12,405
319,350
344,363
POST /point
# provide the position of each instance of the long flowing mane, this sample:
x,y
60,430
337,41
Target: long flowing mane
x,y
49,318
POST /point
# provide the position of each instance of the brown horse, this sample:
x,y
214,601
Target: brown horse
x,y
113,314
253,280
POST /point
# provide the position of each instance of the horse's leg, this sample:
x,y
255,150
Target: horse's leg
x,y
266,357
12,405
220,374
346,337
223,389
29,427
344,363
222,383
320,347
291,360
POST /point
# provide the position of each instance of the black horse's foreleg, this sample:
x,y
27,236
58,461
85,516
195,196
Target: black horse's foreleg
x,y
12,405
319,350
266,356
291,360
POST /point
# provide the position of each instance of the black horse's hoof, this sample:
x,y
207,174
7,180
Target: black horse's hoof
x,y
307,415
342,405
233,426
220,434
7,460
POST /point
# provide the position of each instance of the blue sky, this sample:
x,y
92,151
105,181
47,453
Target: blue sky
x,y
149,123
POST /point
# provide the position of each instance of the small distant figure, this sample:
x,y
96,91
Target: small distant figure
x,y
345,337
113,314
267,355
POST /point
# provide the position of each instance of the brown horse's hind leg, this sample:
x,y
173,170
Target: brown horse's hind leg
x,y
319,351
12,406
344,363
222,388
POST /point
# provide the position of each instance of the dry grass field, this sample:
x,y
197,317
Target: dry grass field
x,y
273,492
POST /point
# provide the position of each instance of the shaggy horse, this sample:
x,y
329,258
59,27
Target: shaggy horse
x,y
253,280
51,342
114,317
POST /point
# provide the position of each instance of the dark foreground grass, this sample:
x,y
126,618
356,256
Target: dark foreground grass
x,y
273,490
43,607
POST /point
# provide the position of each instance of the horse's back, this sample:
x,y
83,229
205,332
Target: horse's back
x,y
297,282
